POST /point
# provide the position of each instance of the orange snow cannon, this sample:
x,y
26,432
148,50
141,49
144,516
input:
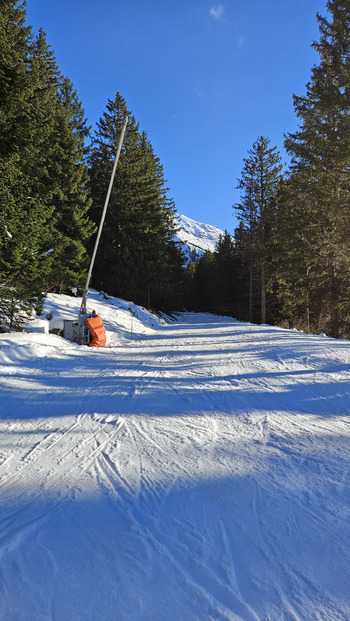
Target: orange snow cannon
x,y
97,330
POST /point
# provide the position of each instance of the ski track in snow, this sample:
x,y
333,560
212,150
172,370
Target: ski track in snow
x,y
200,473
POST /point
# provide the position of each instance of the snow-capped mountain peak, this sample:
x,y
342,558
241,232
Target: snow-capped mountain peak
x,y
196,237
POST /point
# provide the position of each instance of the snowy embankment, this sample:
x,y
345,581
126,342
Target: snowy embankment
x,y
198,471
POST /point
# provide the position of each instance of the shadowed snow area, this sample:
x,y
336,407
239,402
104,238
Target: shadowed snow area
x,y
194,470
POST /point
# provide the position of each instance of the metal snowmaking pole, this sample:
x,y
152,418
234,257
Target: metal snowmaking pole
x,y
86,288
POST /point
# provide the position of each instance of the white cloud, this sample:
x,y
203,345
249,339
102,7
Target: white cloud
x,y
217,11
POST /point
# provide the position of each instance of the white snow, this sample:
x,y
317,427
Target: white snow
x,y
196,236
8,232
196,470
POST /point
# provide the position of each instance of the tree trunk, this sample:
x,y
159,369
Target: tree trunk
x,y
263,294
250,316
334,332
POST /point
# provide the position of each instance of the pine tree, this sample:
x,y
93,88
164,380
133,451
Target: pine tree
x,y
60,173
15,79
319,190
72,226
44,224
261,176
109,265
22,217
137,257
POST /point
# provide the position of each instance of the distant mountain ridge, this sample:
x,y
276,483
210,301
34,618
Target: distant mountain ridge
x,y
196,237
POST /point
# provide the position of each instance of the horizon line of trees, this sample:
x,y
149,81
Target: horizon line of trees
x,y
289,259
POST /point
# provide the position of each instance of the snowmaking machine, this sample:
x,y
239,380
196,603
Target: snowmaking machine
x,y
88,328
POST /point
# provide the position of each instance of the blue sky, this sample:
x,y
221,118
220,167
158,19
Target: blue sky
x,y
204,79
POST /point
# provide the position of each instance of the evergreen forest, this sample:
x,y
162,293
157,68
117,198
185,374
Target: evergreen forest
x,y
288,261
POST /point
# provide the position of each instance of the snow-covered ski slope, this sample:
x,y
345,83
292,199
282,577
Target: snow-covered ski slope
x,y
198,472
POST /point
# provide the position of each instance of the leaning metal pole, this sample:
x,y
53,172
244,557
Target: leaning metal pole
x,y
86,288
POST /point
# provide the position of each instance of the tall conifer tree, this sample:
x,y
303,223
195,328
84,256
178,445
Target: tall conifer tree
x,y
22,217
60,171
43,195
72,226
260,179
136,257
318,201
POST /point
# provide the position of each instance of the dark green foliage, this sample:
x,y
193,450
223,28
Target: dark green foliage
x,y
257,212
293,238
43,196
214,283
72,227
137,258
15,80
22,216
291,260
201,296
16,305
224,269
317,196
59,172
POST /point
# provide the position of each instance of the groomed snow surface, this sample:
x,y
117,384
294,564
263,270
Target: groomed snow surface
x,y
197,471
